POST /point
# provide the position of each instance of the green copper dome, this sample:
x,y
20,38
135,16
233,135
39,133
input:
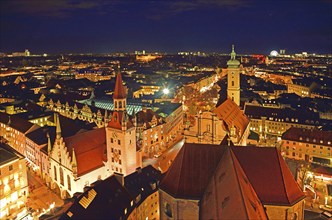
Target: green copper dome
x,y
233,62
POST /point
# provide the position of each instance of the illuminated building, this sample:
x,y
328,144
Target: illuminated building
x,y
147,58
150,132
212,127
93,75
13,129
236,183
313,146
301,87
133,197
121,135
275,121
146,90
233,78
13,184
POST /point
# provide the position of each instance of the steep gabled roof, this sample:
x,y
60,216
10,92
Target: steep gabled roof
x,y
269,175
231,114
191,170
90,148
229,195
119,91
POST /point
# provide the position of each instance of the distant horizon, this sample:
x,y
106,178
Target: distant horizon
x,y
157,52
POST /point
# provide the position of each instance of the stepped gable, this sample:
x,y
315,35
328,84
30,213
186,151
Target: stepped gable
x,y
191,170
90,148
269,175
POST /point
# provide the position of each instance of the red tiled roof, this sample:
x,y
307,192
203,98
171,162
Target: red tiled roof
x,y
269,175
308,136
90,148
119,91
231,113
191,170
229,195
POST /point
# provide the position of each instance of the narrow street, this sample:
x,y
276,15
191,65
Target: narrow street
x,y
163,162
40,198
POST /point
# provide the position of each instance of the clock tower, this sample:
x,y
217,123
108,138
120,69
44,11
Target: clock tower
x,y
121,134
233,78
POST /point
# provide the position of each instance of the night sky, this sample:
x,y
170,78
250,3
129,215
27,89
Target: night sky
x,y
106,26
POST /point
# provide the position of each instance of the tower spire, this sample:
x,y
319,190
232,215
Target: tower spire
x,y
233,54
58,127
119,91
49,146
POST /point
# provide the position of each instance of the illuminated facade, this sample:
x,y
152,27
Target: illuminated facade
x,y
150,132
122,155
14,188
275,121
309,145
212,127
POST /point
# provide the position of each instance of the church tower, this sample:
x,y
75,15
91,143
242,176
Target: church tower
x,y
233,78
121,134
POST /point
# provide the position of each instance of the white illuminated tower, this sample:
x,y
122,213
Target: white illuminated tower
x,y
121,134
233,78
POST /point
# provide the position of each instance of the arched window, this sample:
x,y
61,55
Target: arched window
x,y
55,176
168,210
61,176
69,183
232,83
120,104
115,104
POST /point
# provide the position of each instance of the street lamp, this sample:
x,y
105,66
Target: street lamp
x,y
165,91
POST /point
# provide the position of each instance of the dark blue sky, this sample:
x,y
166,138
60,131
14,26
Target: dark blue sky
x,y
104,26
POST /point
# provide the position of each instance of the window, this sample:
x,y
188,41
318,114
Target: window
x,y
168,210
111,140
10,167
119,142
69,183
119,152
232,83
61,176
55,176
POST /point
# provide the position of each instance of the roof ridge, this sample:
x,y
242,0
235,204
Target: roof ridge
x,y
238,181
282,175
184,149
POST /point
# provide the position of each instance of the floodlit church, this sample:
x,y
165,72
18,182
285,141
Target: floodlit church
x,y
227,118
79,160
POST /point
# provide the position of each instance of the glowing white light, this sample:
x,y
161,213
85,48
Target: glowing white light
x,y
165,91
274,53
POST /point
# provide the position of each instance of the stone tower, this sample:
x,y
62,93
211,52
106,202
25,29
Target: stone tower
x,y
121,134
233,78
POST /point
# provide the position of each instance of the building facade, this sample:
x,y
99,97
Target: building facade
x,y
14,188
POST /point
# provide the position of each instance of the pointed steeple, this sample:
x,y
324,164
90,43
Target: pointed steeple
x,y
49,146
73,160
58,127
119,91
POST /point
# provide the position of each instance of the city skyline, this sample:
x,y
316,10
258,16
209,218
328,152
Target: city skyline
x,y
210,26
